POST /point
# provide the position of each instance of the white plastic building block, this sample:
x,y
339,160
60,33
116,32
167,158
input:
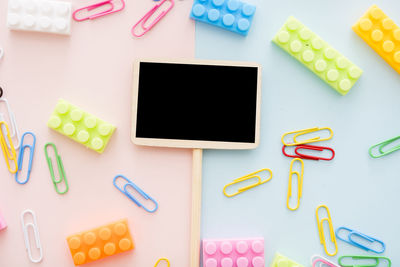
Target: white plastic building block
x,y
39,16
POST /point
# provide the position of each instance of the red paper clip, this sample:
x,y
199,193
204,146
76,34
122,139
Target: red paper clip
x,y
100,14
308,147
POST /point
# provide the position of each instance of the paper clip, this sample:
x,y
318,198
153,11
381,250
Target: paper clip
x,y
308,147
21,157
1,53
14,128
124,191
111,10
9,153
377,260
35,229
306,131
321,230
148,15
359,235
61,170
3,224
381,147
163,259
299,183
245,178
319,261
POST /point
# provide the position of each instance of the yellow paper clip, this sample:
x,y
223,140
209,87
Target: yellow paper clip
x,y
163,259
245,178
306,131
9,154
321,230
299,183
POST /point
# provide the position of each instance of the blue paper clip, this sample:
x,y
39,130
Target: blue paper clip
x,y
21,157
124,191
351,241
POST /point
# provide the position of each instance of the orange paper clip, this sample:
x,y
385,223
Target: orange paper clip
x,y
148,15
108,11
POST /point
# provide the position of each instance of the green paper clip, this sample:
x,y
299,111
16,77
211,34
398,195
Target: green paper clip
x,y
381,146
377,260
61,170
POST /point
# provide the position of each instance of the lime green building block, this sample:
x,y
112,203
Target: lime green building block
x,y
282,261
80,126
317,55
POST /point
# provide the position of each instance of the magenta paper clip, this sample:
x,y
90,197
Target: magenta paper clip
x,y
3,224
319,261
149,14
108,11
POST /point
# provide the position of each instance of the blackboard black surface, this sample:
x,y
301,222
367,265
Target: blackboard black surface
x,y
200,102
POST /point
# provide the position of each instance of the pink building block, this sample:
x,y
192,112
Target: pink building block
x,y
233,252
3,224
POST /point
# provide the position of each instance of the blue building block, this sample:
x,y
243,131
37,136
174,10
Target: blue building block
x,y
232,15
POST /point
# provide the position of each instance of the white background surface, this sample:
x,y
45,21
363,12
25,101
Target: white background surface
x,y
361,192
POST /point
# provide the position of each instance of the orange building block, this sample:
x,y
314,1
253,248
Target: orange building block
x,y
100,242
382,34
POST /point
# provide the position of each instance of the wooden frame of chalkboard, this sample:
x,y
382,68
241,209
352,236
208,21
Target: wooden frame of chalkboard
x,y
152,69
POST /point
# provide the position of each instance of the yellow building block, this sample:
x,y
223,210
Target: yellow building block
x,y
100,242
283,261
382,34
81,126
317,55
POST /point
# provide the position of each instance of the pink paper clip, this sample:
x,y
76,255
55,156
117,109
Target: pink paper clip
x,y
3,224
100,14
148,15
318,261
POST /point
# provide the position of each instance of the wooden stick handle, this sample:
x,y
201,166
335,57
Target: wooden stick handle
x,y
196,208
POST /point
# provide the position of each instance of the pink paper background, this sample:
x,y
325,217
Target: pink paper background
x,y
92,68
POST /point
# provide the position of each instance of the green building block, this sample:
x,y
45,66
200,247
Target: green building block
x,y
80,126
317,55
282,261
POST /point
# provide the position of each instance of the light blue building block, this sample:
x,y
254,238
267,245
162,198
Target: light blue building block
x,y
231,15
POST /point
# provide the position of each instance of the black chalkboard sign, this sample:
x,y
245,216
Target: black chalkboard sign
x,y
196,104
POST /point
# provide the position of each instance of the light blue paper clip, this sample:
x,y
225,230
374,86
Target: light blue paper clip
x,y
351,241
124,191
21,157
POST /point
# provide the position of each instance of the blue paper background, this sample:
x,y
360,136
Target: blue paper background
x,y
362,193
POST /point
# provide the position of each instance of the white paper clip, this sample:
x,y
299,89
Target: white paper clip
x,y
13,124
35,229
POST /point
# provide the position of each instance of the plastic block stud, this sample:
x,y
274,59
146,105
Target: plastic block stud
x,y
81,126
282,261
39,16
100,242
382,34
317,55
233,252
231,15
